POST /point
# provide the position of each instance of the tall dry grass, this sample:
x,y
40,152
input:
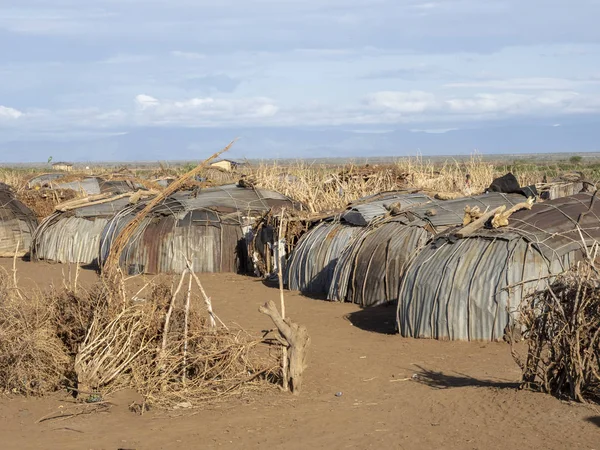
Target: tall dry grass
x,y
326,187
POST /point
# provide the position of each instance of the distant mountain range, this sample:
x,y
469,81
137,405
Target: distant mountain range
x,y
153,144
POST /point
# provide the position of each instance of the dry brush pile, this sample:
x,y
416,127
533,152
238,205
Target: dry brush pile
x,y
93,342
562,333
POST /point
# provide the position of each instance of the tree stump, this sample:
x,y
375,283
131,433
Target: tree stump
x,y
298,341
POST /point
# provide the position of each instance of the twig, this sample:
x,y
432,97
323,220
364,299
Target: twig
x,y
169,312
186,320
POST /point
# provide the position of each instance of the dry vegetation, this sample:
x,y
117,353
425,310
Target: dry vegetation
x,y
562,326
93,342
326,188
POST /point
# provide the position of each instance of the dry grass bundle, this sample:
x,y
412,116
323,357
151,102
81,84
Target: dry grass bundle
x,y
209,365
33,359
159,346
44,201
562,326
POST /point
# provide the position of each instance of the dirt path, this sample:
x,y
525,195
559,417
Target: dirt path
x,y
464,396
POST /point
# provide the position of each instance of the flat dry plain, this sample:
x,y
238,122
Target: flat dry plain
x,y
464,395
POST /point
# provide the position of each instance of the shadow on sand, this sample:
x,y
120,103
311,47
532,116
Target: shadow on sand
x,y
594,420
376,319
440,380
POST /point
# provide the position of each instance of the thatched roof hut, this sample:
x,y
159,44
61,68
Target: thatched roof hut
x,y
311,265
370,268
17,224
73,235
470,288
210,227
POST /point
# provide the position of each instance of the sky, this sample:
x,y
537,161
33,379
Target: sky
x,y
74,72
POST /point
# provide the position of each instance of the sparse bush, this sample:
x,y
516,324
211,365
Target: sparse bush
x,y
562,326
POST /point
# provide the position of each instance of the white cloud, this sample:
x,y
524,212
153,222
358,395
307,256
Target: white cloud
x,y
402,102
510,103
207,111
9,113
144,101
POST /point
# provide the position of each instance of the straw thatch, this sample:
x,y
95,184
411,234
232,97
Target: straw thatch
x,y
210,228
470,288
17,224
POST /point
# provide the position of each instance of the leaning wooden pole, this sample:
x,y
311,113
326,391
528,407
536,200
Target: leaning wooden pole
x,y
280,259
111,266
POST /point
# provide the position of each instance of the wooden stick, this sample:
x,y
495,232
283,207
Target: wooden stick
x,y
212,316
501,220
114,256
298,342
284,361
479,223
185,323
106,199
169,312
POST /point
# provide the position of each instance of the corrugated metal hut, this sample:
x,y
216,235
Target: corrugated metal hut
x,y
84,185
73,236
210,227
470,288
370,268
17,224
312,263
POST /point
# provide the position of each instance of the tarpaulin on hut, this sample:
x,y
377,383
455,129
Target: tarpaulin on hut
x,y
74,236
470,288
85,185
370,268
313,261
210,227
17,224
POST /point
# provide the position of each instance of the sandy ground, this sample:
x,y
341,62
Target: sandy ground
x,y
464,396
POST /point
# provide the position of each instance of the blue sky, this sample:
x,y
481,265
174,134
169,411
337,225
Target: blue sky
x,y
72,71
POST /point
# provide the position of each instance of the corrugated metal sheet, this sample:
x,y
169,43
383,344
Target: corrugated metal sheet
x,y
441,214
74,236
44,179
17,224
561,189
362,214
369,270
97,185
311,265
204,226
457,289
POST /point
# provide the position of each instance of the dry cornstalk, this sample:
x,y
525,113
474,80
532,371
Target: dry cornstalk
x,y
113,260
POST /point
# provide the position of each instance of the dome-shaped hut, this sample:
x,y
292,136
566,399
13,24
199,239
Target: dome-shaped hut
x,y
17,224
469,288
369,269
312,263
211,228
72,233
